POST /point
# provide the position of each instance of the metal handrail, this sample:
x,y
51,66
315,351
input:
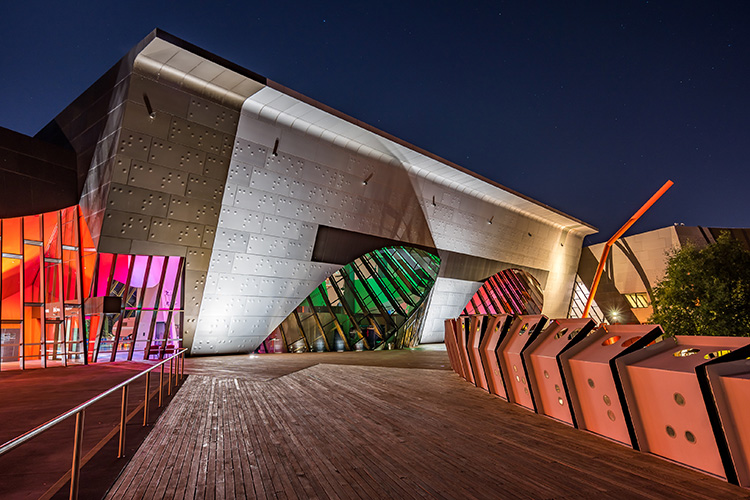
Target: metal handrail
x,y
79,411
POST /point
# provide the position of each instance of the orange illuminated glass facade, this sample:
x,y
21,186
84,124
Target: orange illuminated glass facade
x,y
54,289
47,263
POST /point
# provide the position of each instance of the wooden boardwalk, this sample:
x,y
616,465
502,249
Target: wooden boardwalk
x,y
348,431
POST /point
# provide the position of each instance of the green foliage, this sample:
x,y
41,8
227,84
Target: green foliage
x,y
705,291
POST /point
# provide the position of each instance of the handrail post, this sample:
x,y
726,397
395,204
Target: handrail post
x,y
169,380
75,470
146,398
161,383
123,415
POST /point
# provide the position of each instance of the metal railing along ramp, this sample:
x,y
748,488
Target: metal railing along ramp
x,y
174,376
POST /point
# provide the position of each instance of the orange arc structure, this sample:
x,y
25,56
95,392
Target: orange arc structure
x,y
614,238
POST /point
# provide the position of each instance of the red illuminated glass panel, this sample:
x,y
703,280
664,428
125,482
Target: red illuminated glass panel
x,y
512,291
52,243
104,274
11,288
12,236
32,326
69,220
53,278
32,228
32,255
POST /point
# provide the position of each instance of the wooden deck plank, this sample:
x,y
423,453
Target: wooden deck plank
x,y
278,466
249,466
208,462
289,454
314,461
268,471
241,477
403,439
189,484
182,451
390,440
328,412
379,431
180,454
175,449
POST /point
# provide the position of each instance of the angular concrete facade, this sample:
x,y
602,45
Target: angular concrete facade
x,y
183,153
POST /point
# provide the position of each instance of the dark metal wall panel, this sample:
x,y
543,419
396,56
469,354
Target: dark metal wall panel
x,y
339,246
470,267
35,176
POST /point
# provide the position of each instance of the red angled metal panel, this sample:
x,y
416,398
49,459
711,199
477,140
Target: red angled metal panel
x,y
545,376
522,331
497,328
450,345
730,387
592,381
477,327
463,355
666,404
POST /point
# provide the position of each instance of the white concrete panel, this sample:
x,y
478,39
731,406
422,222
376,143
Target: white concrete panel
x,y
239,173
449,297
241,220
231,240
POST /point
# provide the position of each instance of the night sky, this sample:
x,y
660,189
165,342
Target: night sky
x,y
586,106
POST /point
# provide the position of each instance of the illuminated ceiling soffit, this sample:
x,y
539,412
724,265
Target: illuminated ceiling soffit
x,y
177,66
275,107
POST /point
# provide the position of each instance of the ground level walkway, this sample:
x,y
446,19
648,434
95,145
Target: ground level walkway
x,y
393,424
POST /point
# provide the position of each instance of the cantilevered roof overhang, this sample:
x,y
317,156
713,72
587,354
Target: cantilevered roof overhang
x,y
188,66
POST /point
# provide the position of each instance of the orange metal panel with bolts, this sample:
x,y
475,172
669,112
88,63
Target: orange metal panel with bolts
x,y
450,344
593,385
522,332
666,403
477,327
497,328
464,322
543,369
730,387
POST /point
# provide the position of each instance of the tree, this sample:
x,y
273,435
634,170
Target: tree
x,y
705,291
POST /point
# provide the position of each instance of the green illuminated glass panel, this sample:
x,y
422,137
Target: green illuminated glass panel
x,y
375,302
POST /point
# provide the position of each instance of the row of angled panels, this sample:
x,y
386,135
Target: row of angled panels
x,y
681,398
